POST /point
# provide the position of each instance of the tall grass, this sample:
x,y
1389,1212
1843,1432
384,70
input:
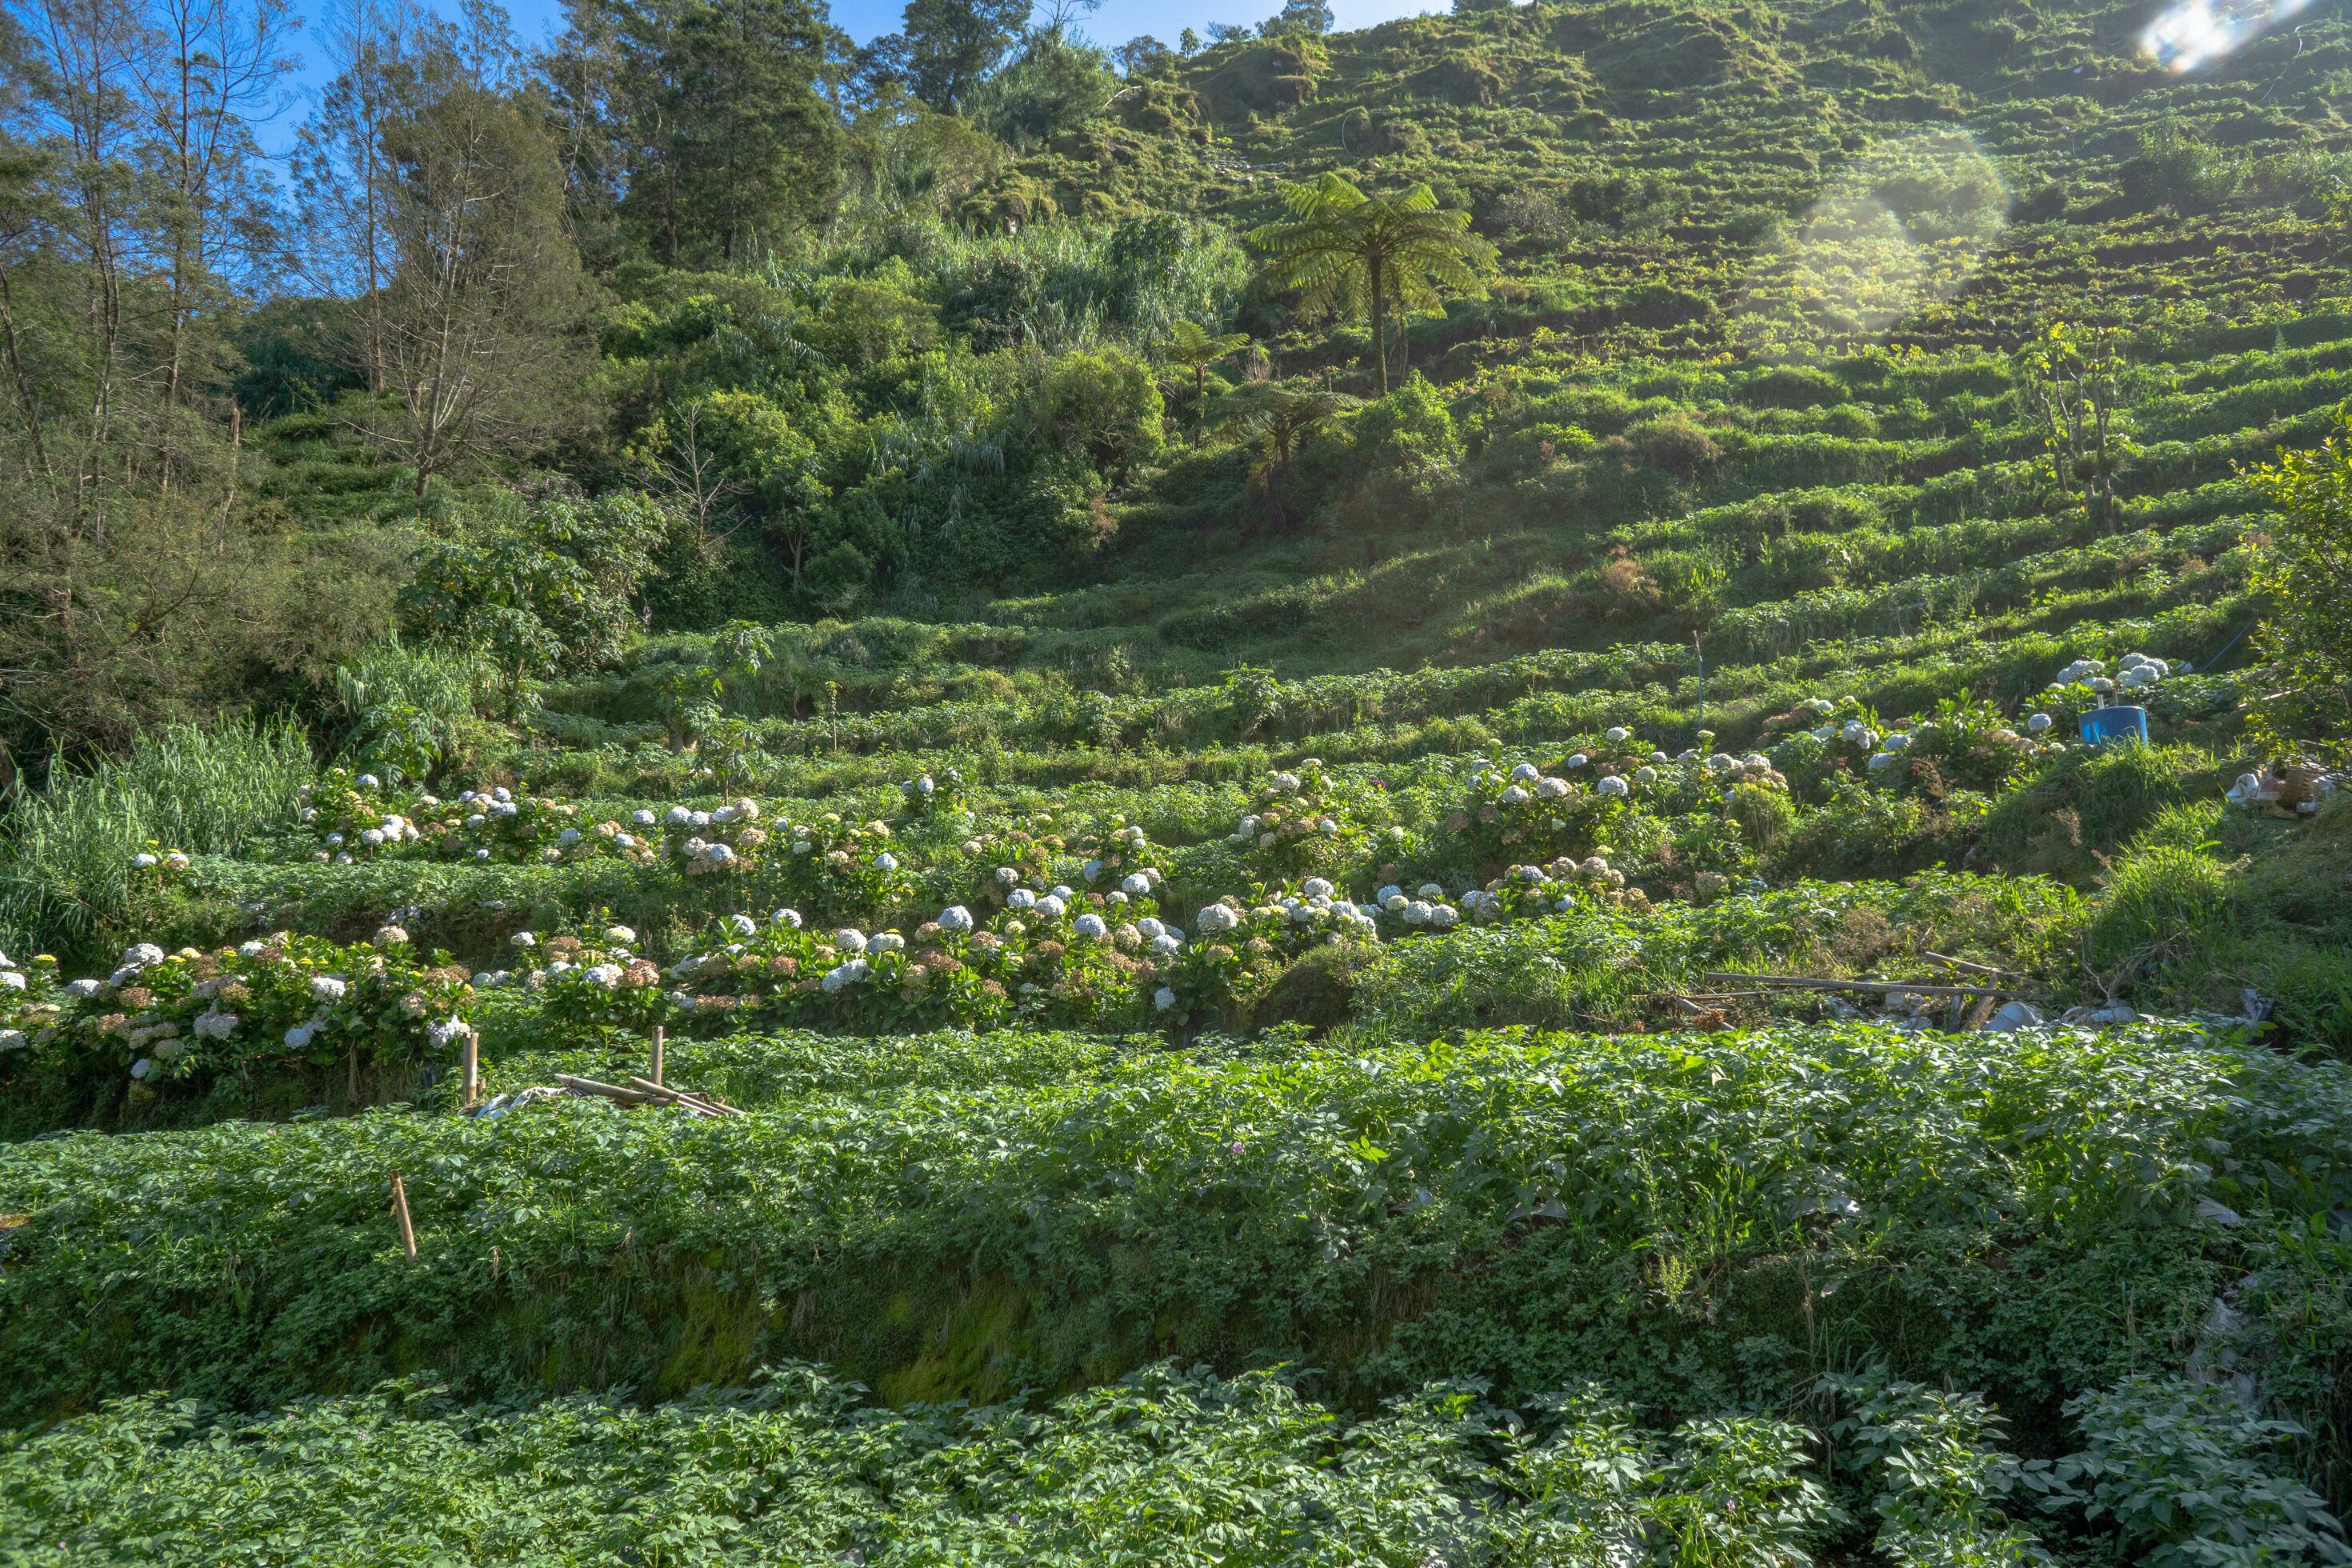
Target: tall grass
x,y
66,881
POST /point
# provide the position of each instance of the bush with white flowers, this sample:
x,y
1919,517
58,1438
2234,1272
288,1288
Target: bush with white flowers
x,y
195,1013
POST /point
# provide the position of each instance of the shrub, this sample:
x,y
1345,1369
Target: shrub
x,y
1676,444
2175,169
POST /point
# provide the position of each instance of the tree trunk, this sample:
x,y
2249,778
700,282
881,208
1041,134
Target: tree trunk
x,y
1379,320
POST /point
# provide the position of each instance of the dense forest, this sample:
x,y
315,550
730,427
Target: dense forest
x,y
1561,785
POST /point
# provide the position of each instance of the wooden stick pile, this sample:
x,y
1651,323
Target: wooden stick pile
x,y
646,1091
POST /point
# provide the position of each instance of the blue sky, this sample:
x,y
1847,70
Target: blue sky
x,y
1115,22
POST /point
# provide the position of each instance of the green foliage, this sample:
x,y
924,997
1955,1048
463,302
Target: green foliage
x,y
537,588
2173,168
2305,572
2180,1469
67,883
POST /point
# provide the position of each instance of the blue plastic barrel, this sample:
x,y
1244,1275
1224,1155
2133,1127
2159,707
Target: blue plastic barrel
x,y
2103,726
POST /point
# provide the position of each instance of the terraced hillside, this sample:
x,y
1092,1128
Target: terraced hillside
x,y
1536,972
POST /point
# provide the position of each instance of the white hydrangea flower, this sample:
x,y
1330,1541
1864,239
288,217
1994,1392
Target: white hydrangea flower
x,y
1092,927
1317,888
1550,788
678,817
845,974
641,818
524,939
883,942
1135,885
1168,944
849,939
1006,876
1091,871
1051,906
1615,785
1516,795
140,955
955,918
81,990
886,861
1579,760
1020,899
1163,999
606,975
301,1035
2038,723
1617,735
1525,772
369,781
1148,928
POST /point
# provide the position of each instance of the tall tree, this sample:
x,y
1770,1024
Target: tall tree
x,y
700,120
1352,254
952,44
340,169
483,317
212,68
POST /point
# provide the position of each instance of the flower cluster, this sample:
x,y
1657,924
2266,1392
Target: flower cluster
x,y
353,818
194,1013
840,866
1026,850
594,979
701,842
1521,810
497,824
1056,959
2136,673
1297,826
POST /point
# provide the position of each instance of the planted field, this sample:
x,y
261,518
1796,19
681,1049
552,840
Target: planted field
x,y
1056,874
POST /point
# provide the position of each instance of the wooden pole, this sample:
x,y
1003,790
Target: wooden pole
x,y
656,1074
473,1066
351,1073
400,1213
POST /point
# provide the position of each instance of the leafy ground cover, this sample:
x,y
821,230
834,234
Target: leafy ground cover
x,y
1220,849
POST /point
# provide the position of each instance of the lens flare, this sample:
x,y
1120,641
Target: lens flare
x,y
1905,227
2196,33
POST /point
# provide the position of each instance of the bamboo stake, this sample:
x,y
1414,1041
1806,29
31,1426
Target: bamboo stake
x,y
400,1213
473,1066
683,1097
610,1091
656,1074
351,1073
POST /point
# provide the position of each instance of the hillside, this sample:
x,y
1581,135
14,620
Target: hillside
x,y
1496,942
